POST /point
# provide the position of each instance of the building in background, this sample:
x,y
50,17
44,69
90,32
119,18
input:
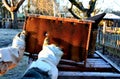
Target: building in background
x,y
114,18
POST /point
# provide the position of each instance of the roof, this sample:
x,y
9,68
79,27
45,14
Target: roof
x,y
111,16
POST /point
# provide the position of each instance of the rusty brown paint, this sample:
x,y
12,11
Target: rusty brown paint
x,y
71,35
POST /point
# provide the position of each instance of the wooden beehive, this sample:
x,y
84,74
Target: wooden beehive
x,y
72,35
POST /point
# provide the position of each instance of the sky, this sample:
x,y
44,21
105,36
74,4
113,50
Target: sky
x,y
102,4
112,4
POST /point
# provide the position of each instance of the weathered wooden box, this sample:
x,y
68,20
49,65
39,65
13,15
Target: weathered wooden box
x,y
76,38
72,35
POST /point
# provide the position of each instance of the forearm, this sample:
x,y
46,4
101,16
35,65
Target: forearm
x,y
10,56
47,61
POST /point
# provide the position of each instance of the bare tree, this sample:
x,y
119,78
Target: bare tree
x,y
45,7
12,6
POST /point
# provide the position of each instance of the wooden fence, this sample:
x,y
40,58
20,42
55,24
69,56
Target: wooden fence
x,y
7,23
111,39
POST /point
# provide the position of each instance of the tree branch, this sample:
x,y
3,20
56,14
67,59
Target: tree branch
x,y
92,7
19,4
12,8
6,4
80,6
12,4
70,10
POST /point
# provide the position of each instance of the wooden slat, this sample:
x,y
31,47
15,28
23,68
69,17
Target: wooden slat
x,y
97,63
94,56
82,69
109,61
88,75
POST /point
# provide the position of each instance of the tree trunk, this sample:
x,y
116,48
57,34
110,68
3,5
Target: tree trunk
x,y
14,20
13,8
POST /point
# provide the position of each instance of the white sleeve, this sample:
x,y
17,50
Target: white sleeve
x,y
48,59
10,56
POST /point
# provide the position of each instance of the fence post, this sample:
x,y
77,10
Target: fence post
x,y
103,41
99,35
